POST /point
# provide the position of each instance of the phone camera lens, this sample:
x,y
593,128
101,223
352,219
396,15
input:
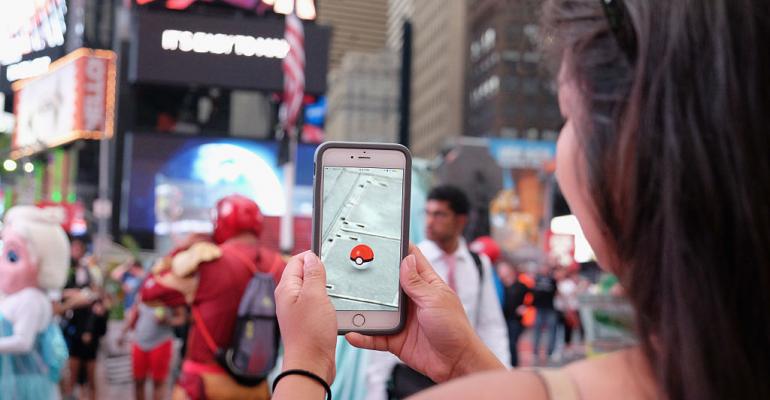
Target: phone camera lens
x,y
351,156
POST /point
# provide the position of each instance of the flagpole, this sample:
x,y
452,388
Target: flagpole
x,y
289,177
293,67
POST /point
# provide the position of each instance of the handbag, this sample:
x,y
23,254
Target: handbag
x,y
405,381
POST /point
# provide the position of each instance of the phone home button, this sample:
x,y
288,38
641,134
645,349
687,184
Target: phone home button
x,y
359,320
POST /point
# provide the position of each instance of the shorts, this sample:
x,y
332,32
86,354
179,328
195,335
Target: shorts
x,y
80,350
154,363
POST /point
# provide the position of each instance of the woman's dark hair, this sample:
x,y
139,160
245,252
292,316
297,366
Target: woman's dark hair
x,y
457,199
676,138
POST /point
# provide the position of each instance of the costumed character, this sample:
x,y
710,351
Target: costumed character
x,y
35,256
211,276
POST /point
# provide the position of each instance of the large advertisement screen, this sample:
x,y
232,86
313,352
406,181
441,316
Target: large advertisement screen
x,y
173,181
244,53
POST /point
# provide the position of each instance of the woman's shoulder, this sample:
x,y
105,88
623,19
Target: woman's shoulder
x,y
623,374
502,384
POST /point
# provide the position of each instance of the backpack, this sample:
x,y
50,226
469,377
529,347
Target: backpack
x,y
253,350
405,381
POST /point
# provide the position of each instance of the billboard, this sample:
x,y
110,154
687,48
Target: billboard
x,y
73,100
173,181
519,211
33,36
242,53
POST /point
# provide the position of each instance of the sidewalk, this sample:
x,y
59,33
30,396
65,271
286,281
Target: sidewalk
x,y
561,355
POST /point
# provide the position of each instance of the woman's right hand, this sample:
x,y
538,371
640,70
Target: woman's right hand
x,y
438,339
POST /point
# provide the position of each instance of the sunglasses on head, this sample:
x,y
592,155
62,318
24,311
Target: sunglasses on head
x,y
620,26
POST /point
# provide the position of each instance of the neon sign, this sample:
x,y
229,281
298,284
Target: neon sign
x,y
220,43
305,9
33,26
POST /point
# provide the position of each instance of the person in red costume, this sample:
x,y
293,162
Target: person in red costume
x,y
211,274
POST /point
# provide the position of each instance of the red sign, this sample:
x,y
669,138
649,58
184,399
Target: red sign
x,y
74,216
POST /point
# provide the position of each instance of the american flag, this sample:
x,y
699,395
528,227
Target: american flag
x,y
293,72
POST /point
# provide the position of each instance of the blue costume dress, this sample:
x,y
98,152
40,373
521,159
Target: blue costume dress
x,y
34,374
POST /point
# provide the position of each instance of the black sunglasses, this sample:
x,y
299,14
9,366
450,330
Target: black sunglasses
x,y
620,26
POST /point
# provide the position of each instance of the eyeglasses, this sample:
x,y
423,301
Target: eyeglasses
x,y
621,27
438,214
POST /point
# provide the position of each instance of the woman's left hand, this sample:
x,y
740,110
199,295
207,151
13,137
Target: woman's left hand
x,y
306,317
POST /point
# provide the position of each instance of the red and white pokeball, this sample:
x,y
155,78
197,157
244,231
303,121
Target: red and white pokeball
x,y
361,256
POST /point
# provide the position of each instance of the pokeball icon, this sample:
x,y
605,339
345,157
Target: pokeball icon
x,y
361,256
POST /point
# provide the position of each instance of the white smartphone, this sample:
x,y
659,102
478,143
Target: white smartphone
x,y
360,231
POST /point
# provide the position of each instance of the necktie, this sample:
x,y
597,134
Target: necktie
x,y
451,266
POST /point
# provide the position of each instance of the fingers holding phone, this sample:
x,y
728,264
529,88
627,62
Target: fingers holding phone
x,y
306,317
360,231
438,339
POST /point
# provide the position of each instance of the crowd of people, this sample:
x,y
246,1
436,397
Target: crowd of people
x,y
203,281
545,300
502,300
191,296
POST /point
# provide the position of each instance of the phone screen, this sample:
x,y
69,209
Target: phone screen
x,y
361,236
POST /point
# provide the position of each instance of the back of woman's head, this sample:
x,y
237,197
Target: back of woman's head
x,y
675,131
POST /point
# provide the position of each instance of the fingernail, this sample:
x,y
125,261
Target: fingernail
x,y
310,260
411,262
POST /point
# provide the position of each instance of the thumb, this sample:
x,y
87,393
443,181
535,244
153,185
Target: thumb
x,y
367,342
314,273
411,280
361,341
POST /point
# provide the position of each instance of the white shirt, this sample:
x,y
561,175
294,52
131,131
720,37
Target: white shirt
x,y
29,311
483,310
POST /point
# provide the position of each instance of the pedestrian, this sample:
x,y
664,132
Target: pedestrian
x,y
84,323
515,291
570,286
130,275
468,274
546,317
152,344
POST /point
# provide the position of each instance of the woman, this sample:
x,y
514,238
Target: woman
x,y
664,161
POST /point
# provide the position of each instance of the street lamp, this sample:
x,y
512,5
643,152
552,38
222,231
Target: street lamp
x,y
10,165
29,167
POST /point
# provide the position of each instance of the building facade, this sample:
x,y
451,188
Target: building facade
x,y
438,74
356,26
398,12
363,98
509,92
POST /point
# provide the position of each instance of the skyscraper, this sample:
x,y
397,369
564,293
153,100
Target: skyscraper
x,y
363,98
398,12
356,26
509,92
438,74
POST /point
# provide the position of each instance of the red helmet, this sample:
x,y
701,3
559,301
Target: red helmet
x,y
234,215
487,246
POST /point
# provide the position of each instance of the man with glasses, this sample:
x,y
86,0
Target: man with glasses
x,y
467,273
